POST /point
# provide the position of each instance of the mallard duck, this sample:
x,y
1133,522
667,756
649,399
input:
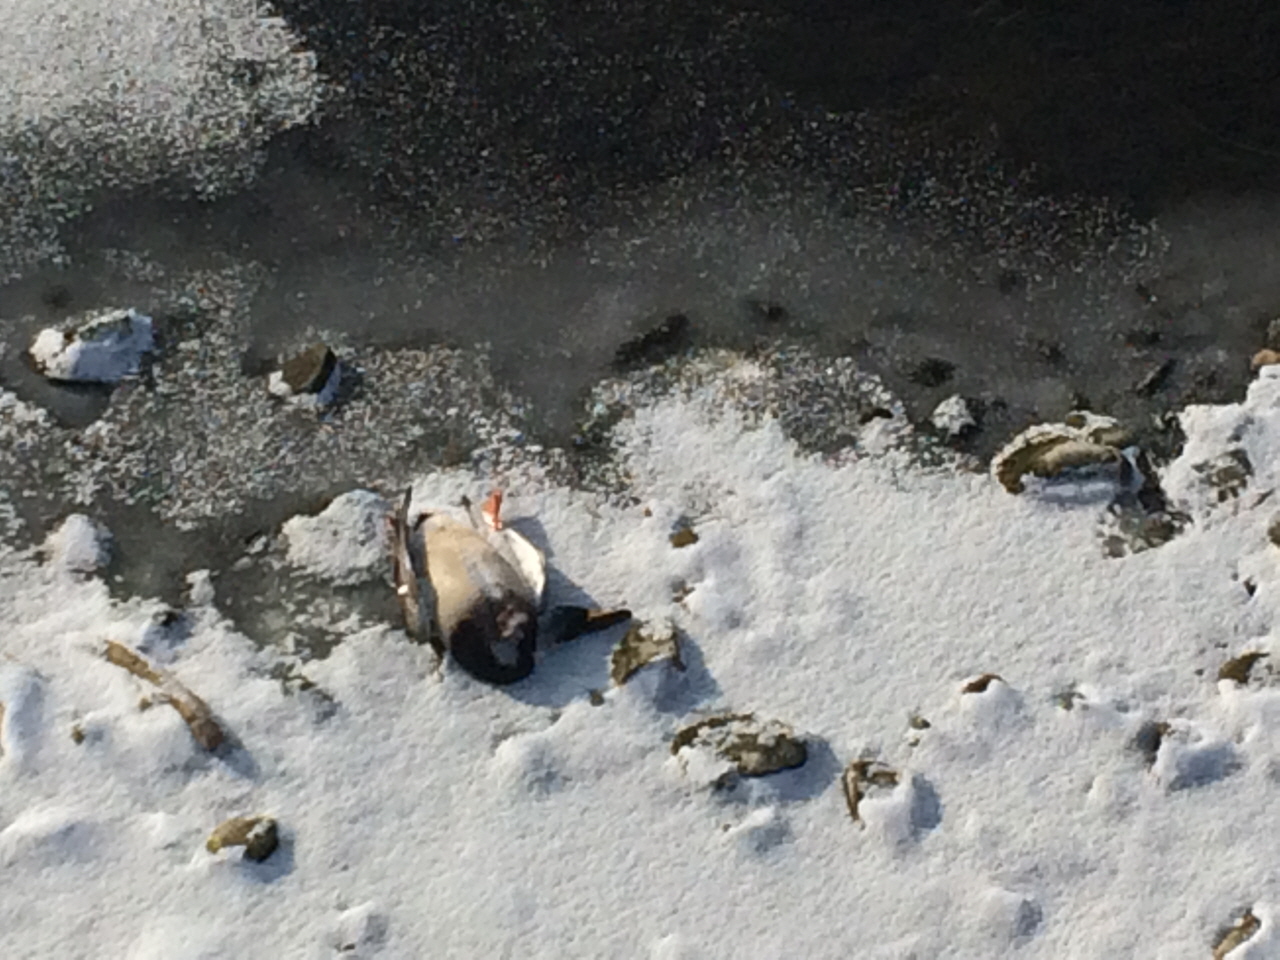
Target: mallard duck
x,y
472,588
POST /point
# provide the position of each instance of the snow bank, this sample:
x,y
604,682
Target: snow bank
x,y
1055,716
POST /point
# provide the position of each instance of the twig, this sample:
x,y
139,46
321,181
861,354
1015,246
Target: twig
x,y
194,711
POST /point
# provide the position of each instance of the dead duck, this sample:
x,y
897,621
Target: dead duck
x,y
472,588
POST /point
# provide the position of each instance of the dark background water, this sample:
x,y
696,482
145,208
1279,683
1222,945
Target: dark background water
x,y
553,177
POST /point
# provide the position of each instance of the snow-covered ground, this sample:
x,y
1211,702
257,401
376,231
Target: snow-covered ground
x,y
1105,794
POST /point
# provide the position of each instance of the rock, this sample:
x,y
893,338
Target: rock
x,y
1264,358
1227,474
684,537
1148,739
359,931
1190,755
1273,334
863,777
1048,450
309,371
953,417
313,376
752,748
644,644
981,683
79,546
654,346
200,589
1237,669
103,347
346,543
1236,936
1273,532
259,836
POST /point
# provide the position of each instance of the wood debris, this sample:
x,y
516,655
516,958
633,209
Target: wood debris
x,y
1244,928
194,711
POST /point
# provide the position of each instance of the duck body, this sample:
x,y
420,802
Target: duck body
x,y
485,611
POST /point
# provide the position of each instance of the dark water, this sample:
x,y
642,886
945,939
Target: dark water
x,y
552,177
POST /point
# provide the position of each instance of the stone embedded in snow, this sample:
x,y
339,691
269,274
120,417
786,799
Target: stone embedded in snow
x,y
345,543
643,644
259,836
953,417
359,931
1008,916
1264,358
1049,450
309,371
761,830
79,546
104,347
311,376
1188,756
1238,669
738,743
684,537
1229,449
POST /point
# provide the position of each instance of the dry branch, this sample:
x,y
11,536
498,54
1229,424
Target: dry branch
x,y
194,711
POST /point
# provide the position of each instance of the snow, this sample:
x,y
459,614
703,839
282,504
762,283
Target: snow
x,y
428,814
346,543
952,416
79,545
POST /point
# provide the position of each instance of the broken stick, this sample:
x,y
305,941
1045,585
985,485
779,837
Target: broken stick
x,y
194,711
